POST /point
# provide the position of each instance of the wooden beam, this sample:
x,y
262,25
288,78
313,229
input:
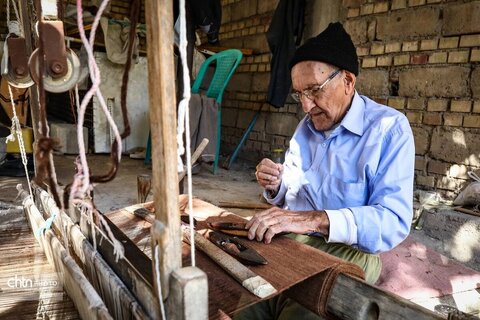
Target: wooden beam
x,y
190,288
206,48
135,270
161,85
118,299
86,299
351,298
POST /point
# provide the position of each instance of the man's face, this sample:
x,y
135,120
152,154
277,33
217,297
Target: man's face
x,y
327,106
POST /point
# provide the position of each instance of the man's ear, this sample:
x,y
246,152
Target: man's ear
x,y
349,81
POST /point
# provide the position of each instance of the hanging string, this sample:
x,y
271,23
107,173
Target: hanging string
x,y
71,96
116,150
134,17
15,26
183,112
77,193
159,284
17,130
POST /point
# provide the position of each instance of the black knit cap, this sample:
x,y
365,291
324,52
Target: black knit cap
x,y
333,45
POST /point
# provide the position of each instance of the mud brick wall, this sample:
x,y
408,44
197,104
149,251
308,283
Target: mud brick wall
x,y
120,9
244,25
421,57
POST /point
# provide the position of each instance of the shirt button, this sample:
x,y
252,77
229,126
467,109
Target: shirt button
x,y
324,144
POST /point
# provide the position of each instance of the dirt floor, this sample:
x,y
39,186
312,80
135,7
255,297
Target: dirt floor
x,y
433,244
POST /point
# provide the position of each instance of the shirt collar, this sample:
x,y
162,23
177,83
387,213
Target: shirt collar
x,y
353,120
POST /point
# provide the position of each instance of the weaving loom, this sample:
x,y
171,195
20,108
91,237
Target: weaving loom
x,y
100,258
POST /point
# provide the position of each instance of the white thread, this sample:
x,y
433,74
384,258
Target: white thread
x,y
118,249
184,110
77,98
159,284
183,105
17,129
14,26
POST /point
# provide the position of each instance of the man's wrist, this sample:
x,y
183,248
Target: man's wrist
x,y
272,193
321,223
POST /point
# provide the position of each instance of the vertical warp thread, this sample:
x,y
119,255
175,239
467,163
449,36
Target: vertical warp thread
x,y
184,109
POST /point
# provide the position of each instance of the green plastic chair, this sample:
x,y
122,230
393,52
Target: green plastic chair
x,y
226,63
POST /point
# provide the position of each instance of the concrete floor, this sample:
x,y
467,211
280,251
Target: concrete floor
x,y
238,184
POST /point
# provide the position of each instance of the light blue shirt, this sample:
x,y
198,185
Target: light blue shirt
x,y
361,175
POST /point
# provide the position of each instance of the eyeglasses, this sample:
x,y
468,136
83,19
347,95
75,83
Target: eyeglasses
x,y
312,92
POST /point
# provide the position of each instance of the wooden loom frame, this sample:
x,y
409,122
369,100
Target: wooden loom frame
x,y
136,295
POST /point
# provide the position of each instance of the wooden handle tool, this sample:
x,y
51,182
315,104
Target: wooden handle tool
x,y
249,280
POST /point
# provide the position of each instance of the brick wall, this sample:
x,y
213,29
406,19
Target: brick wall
x,y
421,57
244,25
120,9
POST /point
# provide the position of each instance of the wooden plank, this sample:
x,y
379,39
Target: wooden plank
x,y
118,299
210,48
244,205
86,299
135,270
161,72
21,258
351,298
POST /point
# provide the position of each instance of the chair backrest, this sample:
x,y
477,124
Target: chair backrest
x,y
227,61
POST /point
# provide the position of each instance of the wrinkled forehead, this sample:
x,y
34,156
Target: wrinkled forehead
x,y
307,73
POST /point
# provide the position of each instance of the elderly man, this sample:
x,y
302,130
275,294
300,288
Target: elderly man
x,y
346,186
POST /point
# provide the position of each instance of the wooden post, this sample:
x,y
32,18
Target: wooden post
x,y
190,291
161,84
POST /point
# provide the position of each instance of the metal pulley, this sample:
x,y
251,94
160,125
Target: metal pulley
x,y
62,67
18,72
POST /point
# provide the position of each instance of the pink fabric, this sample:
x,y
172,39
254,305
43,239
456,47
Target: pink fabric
x,y
413,271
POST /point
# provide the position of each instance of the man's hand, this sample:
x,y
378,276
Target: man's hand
x,y
264,225
269,174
